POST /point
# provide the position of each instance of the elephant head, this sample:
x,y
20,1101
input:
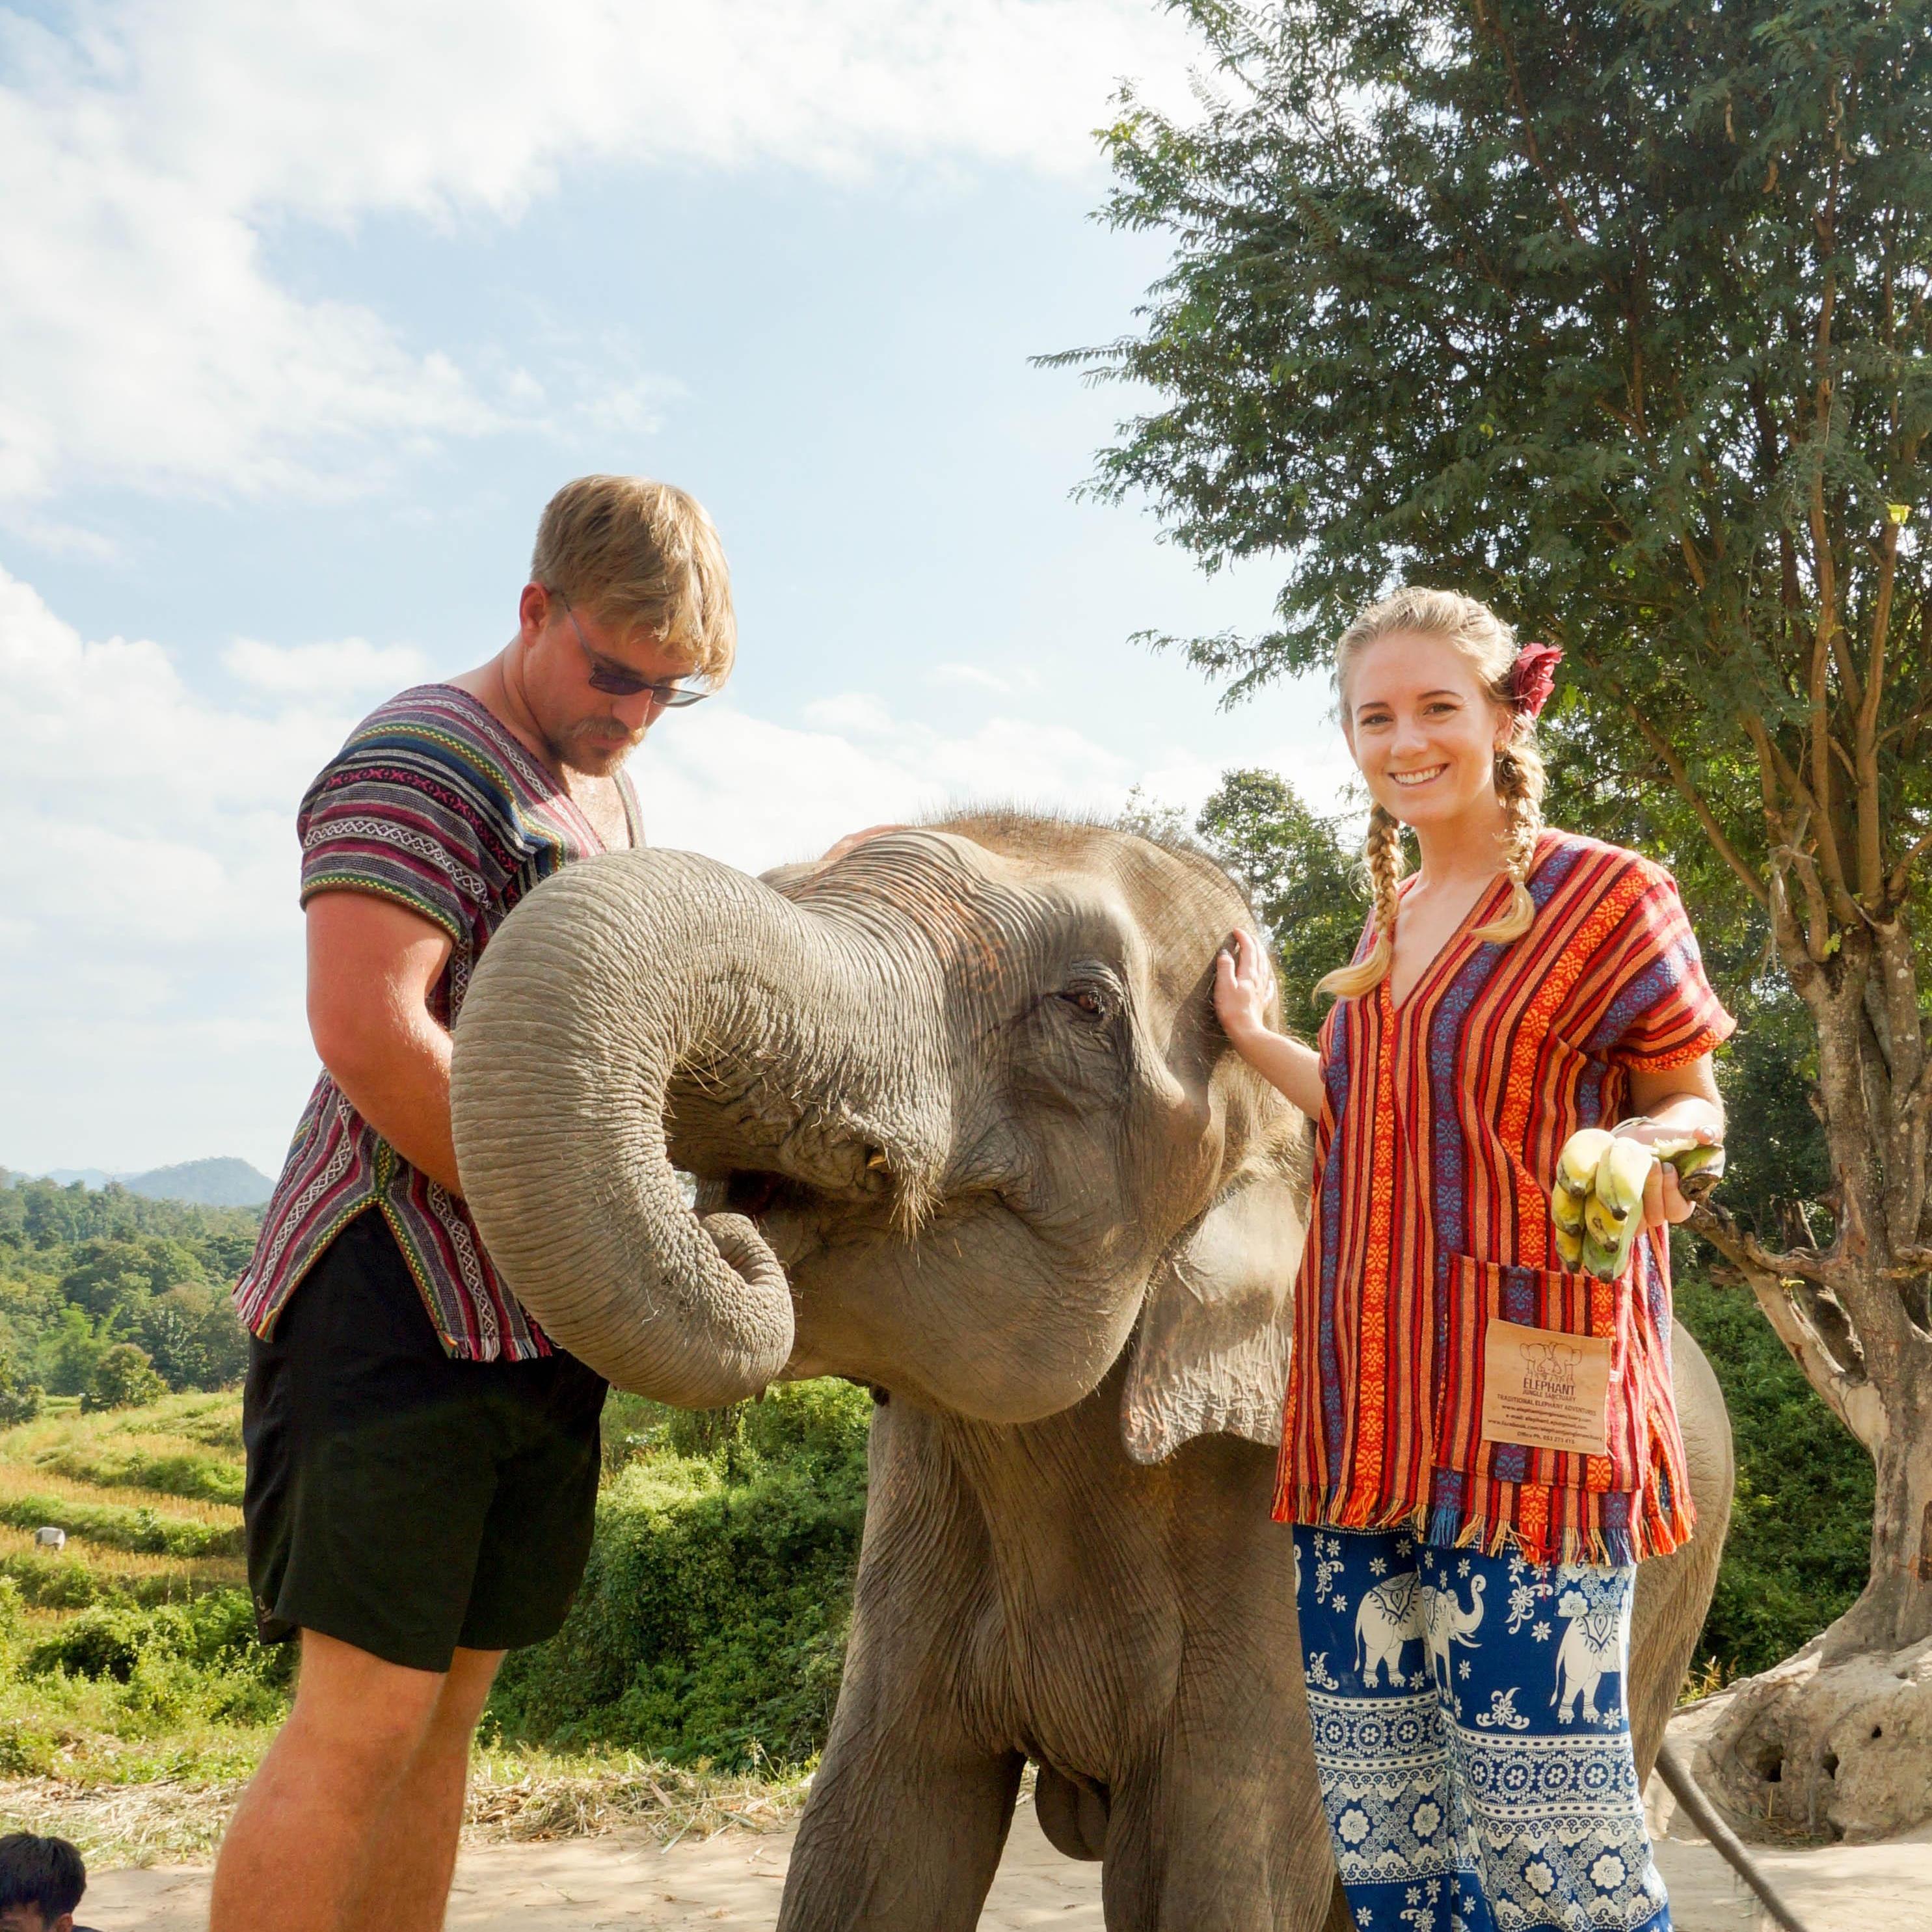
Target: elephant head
x,y
962,1121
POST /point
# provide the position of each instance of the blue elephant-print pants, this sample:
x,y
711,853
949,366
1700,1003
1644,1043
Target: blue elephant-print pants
x,y
1472,1737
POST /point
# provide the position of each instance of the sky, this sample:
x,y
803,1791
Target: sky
x,y
309,308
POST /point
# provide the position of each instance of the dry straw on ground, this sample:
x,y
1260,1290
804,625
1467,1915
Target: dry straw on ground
x,y
513,1796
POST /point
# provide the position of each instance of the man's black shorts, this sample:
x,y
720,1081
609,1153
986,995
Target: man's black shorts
x,y
400,1501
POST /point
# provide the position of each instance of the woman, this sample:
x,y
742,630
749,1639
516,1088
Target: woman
x,y
1479,1445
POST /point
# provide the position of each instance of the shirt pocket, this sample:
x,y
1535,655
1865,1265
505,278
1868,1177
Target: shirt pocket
x,y
1473,1293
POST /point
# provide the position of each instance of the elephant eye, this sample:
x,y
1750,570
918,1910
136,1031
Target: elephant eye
x,y
1088,999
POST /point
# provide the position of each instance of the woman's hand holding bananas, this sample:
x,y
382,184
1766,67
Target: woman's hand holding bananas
x,y
1610,1186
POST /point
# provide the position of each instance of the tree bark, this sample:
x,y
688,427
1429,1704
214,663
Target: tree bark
x,y
1800,1746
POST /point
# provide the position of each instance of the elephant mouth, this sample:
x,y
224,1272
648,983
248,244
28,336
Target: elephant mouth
x,y
791,1215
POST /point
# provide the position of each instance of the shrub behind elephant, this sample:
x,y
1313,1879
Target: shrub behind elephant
x,y
967,1130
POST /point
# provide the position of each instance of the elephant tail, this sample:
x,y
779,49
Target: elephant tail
x,y
1699,1809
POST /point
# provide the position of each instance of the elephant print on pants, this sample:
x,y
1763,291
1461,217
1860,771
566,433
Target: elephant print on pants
x,y
1448,1623
1390,1617
1592,1649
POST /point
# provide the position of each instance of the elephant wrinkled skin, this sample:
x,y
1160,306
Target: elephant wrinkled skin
x,y
966,1130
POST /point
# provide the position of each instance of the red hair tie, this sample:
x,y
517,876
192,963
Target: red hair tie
x,y
1533,677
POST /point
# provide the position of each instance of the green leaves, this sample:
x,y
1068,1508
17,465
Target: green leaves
x,y
1304,884
1537,313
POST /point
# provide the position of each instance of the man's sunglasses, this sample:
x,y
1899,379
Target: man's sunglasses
x,y
614,681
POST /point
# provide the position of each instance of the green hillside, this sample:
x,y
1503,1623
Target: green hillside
x,y
112,1297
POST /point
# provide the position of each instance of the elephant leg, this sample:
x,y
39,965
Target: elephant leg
x,y
909,1811
1225,1832
1219,1826
1673,1592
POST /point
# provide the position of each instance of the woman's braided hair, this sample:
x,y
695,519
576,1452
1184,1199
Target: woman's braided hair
x,y
1489,645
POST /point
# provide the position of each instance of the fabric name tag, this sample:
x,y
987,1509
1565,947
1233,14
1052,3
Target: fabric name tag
x,y
1545,1390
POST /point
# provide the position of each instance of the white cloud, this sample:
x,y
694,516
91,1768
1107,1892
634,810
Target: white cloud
x,y
150,944
323,671
973,675
144,338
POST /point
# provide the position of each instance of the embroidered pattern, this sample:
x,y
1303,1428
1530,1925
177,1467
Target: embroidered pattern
x,y
1441,1122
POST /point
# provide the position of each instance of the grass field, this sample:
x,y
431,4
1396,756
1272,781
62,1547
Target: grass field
x,y
135,1701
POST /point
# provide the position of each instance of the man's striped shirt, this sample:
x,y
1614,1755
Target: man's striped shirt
x,y
433,804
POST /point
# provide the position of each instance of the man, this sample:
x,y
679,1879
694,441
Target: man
x,y
41,1882
422,1462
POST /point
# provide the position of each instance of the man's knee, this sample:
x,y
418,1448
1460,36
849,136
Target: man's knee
x,y
359,1707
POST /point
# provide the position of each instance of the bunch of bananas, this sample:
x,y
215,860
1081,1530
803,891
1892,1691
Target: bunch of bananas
x,y
1597,1208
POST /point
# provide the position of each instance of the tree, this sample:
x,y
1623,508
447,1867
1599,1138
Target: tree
x,y
1305,886
1617,315
70,1351
122,1378
19,1401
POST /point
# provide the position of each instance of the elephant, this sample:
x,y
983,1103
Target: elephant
x,y
1447,1622
964,1129
1388,1618
1592,1649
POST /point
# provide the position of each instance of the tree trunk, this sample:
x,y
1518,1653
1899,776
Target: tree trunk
x,y
1824,1742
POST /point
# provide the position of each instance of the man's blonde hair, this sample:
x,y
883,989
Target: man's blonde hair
x,y
641,555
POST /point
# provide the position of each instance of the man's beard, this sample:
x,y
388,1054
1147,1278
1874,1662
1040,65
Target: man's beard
x,y
586,748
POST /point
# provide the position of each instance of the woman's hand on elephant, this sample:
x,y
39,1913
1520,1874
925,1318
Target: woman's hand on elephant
x,y
1243,985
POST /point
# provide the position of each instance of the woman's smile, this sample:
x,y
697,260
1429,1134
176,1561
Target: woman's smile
x,y
1420,777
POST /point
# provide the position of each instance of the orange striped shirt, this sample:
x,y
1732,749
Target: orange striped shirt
x,y
1441,1124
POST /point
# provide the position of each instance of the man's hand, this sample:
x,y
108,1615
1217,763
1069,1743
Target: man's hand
x,y
372,966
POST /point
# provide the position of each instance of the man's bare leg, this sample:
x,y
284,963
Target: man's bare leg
x,y
296,1856
406,1883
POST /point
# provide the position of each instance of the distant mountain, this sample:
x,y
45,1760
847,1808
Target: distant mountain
x,y
221,1182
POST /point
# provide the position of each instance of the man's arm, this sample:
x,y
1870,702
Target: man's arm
x,y
372,966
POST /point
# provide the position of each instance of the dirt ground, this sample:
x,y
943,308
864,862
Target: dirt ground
x,y
623,1883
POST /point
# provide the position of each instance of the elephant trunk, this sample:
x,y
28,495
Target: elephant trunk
x,y
613,978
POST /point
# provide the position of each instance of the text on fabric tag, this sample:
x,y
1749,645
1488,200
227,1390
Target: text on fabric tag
x,y
1546,1390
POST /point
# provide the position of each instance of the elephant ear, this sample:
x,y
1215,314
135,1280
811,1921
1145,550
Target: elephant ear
x,y
1210,1356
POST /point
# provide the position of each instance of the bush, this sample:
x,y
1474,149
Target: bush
x,y
712,1622
20,1402
116,1638
200,1478
123,1377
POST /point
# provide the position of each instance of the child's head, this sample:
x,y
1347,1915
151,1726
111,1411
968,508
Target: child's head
x,y
41,1880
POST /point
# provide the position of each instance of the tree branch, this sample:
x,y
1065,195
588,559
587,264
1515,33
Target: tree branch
x,y
1494,26
1706,818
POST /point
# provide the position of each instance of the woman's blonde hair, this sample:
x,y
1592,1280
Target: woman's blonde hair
x,y
1489,647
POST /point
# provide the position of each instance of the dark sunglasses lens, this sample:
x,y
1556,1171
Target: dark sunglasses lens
x,y
627,684
616,683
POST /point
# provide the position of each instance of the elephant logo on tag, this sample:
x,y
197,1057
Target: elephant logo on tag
x,y
1549,1369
